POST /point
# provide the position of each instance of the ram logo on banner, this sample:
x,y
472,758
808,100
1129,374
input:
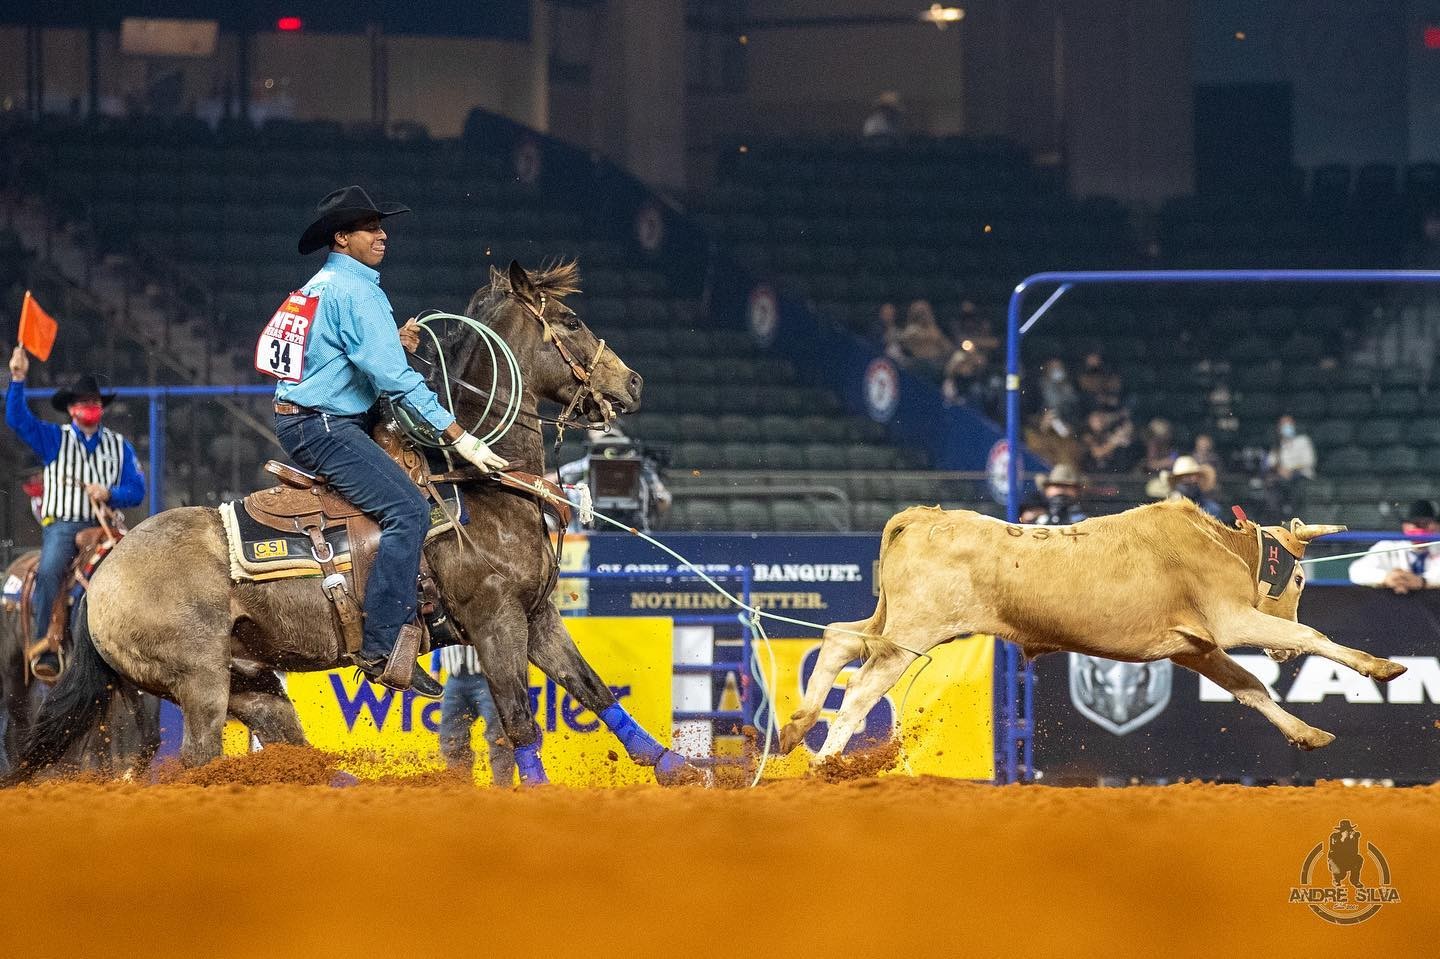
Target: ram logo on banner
x,y
381,732
947,728
1120,697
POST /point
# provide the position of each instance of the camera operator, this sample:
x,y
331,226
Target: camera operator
x,y
643,501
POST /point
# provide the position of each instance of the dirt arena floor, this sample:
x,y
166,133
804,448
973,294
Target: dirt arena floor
x,y
259,857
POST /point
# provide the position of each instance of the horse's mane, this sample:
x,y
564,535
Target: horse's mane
x,y
560,278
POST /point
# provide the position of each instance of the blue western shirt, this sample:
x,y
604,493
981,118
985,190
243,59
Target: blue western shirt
x,y
45,439
352,355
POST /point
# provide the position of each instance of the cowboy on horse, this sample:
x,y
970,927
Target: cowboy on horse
x,y
88,468
335,349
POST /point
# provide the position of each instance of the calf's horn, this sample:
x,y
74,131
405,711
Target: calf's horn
x,y
1305,532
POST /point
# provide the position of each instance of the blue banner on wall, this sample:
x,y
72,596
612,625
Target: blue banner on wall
x,y
819,578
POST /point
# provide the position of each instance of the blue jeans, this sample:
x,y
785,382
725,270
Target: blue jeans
x,y
467,698
339,448
57,552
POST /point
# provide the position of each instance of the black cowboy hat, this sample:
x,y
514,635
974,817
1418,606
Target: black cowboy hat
x,y
345,207
86,385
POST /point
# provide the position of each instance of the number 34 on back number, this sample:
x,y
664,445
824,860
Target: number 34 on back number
x,y
280,351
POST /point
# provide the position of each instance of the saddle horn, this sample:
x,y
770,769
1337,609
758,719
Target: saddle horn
x,y
1305,532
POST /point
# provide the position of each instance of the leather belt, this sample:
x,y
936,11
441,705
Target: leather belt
x,y
290,409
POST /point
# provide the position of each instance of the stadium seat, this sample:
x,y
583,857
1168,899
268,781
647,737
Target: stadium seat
x,y
1380,432
1367,489
1347,461
1396,459
749,514
1398,403
1335,432
794,515
1423,431
781,456
824,456
1351,403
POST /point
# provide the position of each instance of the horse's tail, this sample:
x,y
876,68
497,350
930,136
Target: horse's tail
x,y
73,708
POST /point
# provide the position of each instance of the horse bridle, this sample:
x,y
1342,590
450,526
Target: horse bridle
x,y
584,375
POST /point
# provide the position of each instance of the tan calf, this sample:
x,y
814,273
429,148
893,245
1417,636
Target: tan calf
x,y
1163,581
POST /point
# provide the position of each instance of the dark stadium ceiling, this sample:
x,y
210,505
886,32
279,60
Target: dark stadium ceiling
x,y
500,19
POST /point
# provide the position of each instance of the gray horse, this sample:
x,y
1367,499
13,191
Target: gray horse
x,y
165,616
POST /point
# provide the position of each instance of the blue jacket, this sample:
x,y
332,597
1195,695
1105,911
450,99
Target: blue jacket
x,y
44,439
352,355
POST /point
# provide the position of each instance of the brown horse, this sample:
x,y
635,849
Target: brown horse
x,y
164,614
125,743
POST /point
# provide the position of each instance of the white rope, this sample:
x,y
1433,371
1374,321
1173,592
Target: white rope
x,y
1374,552
491,339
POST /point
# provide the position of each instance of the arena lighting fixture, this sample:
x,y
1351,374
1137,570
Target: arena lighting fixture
x,y
942,17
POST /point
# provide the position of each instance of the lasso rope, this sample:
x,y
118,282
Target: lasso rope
x,y
491,339
1373,552
755,614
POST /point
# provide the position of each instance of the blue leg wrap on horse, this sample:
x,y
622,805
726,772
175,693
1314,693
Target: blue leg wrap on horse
x,y
527,761
639,744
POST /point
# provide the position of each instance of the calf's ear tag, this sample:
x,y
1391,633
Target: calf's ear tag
x,y
1240,517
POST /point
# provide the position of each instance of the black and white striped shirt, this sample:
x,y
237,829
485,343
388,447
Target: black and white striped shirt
x,y
460,661
64,498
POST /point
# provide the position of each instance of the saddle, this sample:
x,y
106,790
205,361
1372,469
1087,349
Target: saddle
x,y
91,546
343,539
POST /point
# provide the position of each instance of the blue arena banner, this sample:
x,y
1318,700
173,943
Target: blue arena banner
x,y
819,577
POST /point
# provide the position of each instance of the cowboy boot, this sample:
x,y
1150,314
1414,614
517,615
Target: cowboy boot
x,y
400,671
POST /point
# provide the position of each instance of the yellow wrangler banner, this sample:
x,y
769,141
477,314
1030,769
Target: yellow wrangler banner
x,y
380,732
948,721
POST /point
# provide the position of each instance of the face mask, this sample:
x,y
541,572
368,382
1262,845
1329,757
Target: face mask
x,y
1060,504
1188,490
1057,375
1288,431
86,414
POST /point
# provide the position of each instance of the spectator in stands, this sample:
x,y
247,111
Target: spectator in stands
x,y
1204,453
886,118
1160,451
1057,391
966,377
1109,441
1222,419
923,345
1062,488
1195,482
1100,384
1388,565
1288,466
1031,508
1051,439
466,699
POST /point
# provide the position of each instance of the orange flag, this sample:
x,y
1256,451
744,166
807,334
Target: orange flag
x,y
37,329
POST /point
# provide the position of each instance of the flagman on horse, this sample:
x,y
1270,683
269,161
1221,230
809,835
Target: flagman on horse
x,y
335,349
88,468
